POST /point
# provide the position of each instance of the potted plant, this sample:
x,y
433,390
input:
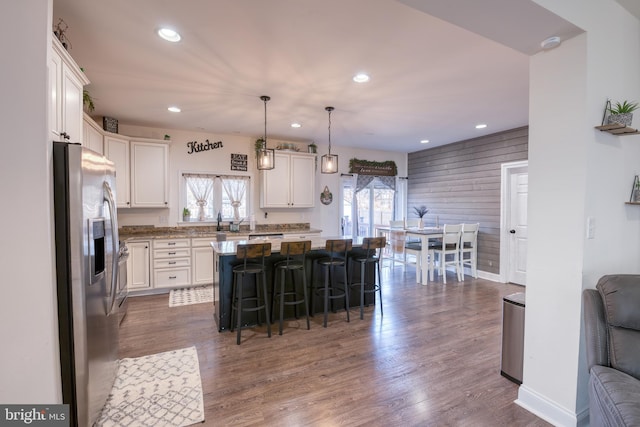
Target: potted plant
x,y
259,145
186,215
621,113
87,101
312,148
420,212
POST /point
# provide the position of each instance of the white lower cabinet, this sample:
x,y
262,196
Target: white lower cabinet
x,y
202,261
138,265
171,263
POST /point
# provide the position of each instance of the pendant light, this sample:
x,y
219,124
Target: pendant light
x,y
329,161
266,157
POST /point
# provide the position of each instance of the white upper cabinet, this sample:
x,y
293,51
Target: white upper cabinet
x,y
291,184
117,150
92,138
142,178
149,175
66,82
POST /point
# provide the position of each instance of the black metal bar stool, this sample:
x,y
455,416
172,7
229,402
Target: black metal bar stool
x,y
373,251
338,251
241,272
295,253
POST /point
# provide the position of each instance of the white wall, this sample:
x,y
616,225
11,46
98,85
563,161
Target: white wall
x,y
324,217
576,172
29,364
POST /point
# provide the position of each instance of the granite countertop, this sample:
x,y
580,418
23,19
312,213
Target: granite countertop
x,y
186,232
229,247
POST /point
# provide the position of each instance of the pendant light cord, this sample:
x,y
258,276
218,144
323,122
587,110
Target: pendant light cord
x,y
265,99
329,109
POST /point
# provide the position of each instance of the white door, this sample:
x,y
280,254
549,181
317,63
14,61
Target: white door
x,y
517,226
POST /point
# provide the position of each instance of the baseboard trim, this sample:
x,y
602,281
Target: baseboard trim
x,y
547,409
486,275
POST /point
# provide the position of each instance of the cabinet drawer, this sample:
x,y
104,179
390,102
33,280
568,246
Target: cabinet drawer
x,y
171,253
171,243
172,277
171,262
202,242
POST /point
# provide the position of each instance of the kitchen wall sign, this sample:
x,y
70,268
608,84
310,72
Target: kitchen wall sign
x,y
366,167
239,162
196,147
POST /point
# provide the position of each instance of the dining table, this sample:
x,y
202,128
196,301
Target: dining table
x,y
425,234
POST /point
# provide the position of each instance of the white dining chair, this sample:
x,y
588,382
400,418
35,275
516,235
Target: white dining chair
x,y
450,246
412,223
400,248
469,245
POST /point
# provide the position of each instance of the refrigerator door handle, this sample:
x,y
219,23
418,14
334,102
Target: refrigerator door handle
x,y
114,240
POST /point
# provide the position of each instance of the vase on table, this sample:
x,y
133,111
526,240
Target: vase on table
x,y
420,224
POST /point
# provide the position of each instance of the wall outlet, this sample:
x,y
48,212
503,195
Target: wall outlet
x,y
591,227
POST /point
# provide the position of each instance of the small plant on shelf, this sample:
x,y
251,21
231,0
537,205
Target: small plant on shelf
x,y
186,215
621,113
87,101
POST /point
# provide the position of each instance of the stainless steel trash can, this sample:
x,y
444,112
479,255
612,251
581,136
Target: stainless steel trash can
x,y
513,336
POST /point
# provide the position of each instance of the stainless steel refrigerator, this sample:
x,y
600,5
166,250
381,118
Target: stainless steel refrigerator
x,y
86,239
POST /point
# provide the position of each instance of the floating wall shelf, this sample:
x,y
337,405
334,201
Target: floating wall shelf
x,y
618,129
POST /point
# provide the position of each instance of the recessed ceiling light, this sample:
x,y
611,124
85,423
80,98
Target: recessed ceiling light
x,y
174,109
296,125
424,141
361,78
481,126
169,35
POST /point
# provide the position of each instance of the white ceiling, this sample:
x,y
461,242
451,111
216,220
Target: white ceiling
x,y
429,78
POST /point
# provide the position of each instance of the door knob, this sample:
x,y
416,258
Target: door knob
x,y
512,231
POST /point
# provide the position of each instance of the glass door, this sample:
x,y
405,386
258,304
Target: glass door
x,y
373,208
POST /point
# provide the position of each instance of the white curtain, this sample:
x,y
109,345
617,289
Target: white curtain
x,y
235,189
201,188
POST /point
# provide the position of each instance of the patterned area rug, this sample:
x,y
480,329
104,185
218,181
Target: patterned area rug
x,y
186,296
162,389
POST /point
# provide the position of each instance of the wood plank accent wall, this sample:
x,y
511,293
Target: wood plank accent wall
x,y
460,182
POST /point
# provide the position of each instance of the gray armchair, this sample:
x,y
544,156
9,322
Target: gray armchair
x,y
612,333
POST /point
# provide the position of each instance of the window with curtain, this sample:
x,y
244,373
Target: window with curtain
x,y
234,199
206,195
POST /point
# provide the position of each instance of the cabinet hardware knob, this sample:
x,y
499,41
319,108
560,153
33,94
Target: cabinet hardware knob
x,y
512,231
172,262
171,243
172,253
173,277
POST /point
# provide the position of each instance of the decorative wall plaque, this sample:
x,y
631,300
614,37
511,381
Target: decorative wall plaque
x,y
239,162
110,124
366,167
326,197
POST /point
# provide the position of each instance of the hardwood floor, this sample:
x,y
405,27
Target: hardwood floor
x,y
433,359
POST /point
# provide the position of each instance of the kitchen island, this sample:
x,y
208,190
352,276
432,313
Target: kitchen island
x,y
224,259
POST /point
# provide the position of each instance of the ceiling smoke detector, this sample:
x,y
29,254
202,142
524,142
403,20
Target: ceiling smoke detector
x,y
550,43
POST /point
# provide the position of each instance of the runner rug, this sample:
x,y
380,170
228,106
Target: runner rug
x,y
187,296
162,389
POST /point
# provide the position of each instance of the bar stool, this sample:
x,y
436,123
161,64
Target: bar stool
x,y
247,252
338,251
373,247
295,261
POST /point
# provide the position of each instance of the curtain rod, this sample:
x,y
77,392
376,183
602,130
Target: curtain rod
x,y
211,175
377,176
